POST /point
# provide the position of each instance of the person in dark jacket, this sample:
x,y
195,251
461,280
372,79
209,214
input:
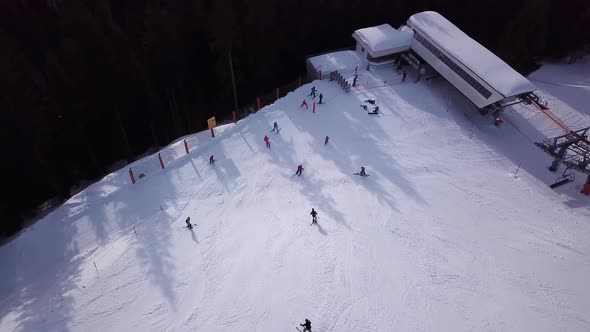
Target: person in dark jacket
x,y
314,216
362,173
326,140
211,159
188,222
321,98
306,325
299,170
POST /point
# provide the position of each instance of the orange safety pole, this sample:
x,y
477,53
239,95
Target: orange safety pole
x,y
212,133
234,114
258,102
186,146
278,93
131,176
161,161
313,107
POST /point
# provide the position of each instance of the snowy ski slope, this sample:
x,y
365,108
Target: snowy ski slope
x,y
441,237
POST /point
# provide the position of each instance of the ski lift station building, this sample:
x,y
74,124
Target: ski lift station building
x,y
476,72
427,37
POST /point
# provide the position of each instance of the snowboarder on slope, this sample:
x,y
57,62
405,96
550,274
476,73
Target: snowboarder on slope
x,y
275,127
211,159
188,223
304,103
326,140
314,216
299,170
362,173
354,80
267,141
306,325
321,98
375,110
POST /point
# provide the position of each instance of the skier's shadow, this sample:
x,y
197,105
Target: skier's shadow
x,y
322,230
193,235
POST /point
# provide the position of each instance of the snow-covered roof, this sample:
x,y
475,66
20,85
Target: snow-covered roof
x,y
336,61
383,40
485,64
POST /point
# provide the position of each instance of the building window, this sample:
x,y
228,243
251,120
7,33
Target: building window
x,y
453,66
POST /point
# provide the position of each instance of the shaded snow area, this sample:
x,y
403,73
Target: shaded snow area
x,y
442,236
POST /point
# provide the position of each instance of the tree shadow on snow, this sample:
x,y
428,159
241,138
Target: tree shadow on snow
x,y
355,141
38,272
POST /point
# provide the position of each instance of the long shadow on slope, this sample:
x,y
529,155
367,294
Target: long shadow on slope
x,y
348,154
510,141
225,170
39,268
282,154
155,227
363,145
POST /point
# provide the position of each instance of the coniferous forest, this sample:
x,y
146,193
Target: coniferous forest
x,y
88,85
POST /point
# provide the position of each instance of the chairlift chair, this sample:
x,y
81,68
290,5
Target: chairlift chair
x,y
563,179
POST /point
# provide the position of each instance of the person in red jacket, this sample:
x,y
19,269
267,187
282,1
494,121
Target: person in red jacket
x,y
299,170
304,103
267,141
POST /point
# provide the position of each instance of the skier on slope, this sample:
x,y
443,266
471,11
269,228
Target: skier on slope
x,y
211,160
299,170
188,222
267,141
326,140
321,98
275,127
313,92
304,103
314,216
306,325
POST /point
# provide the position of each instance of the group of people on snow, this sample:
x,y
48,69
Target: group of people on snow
x,y
312,94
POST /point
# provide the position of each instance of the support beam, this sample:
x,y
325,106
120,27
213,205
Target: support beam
x,y
558,158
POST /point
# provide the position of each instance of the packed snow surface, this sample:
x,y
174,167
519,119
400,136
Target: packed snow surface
x,y
444,235
472,54
383,40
